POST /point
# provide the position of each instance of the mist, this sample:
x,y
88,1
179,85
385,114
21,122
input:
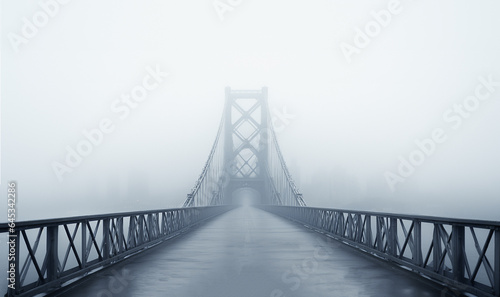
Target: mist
x,y
353,114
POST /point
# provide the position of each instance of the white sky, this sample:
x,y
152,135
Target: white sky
x,y
353,120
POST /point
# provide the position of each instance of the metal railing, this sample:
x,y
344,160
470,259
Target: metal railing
x,y
51,252
462,254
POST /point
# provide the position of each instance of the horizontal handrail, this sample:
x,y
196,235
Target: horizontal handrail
x,y
423,218
69,220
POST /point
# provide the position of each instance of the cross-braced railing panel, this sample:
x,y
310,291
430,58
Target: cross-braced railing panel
x,y
50,252
463,254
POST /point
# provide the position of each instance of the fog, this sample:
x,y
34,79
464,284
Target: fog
x,y
347,116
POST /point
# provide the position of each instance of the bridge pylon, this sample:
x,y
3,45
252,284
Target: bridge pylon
x,y
246,142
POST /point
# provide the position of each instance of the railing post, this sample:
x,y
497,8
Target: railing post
x,y
341,223
84,244
436,242
417,241
187,217
156,222
140,240
497,263
380,244
359,227
52,253
131,232
180,219
106,243
392,236
119,227
163,224
458,252
150,227
368,231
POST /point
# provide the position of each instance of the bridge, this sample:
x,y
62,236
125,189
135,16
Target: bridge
x,y
245,230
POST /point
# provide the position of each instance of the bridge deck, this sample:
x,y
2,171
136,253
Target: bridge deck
x,y
248,252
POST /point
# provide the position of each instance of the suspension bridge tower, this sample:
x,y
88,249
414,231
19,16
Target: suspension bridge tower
x,y
246,142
